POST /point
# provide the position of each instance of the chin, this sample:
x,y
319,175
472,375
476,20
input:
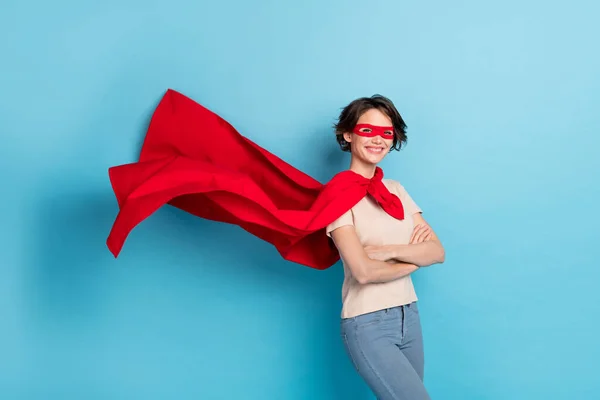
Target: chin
x,y
374,158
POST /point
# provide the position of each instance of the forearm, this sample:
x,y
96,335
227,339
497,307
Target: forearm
x,y
422,254
375,271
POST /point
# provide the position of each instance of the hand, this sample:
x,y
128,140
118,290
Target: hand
x,y
421,233
381,253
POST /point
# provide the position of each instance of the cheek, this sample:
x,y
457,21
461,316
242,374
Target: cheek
x,y
360,140
357,141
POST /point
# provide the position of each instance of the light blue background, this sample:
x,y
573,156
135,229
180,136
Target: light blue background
x,y
501,101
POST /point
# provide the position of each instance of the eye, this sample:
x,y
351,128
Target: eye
x,y
366,130
389,133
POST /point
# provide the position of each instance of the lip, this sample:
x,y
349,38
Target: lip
x,y
374,149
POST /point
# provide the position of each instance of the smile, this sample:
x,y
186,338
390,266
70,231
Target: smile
x,y
375,150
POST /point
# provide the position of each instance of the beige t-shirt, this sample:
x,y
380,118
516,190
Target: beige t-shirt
x,y
375,227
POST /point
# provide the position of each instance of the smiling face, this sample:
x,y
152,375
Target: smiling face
x,y
371,138
369,128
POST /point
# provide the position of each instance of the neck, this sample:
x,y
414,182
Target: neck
x,y
366,170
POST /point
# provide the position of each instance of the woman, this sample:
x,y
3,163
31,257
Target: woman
x,y
250,187
380,320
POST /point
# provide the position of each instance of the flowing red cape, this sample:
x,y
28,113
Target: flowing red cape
x,y
235,181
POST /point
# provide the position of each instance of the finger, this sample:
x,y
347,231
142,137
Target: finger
x,y
383,256
422,234
372,249
426,235
417,232
415,229
412,236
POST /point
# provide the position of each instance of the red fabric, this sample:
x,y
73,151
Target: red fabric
x,y
386,132
195,160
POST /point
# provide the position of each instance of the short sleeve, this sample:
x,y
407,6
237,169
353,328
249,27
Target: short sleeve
x,y
345,219
408,203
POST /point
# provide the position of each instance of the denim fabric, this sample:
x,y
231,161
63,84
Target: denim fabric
x,y
386,348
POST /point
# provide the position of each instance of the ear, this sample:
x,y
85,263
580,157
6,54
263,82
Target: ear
x,y
348,137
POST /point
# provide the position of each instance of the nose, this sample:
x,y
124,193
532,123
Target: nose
x,y
376,139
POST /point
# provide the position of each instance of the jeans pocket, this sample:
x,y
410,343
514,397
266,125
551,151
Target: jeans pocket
x,y
413,306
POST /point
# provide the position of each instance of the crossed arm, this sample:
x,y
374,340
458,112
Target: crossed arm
x,y
376,264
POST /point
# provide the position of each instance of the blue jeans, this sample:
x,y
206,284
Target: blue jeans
x,y
386,348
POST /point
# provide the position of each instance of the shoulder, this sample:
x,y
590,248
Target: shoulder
x,y
346,219
398,189
393,185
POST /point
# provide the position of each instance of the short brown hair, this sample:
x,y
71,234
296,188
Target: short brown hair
x,y
352,112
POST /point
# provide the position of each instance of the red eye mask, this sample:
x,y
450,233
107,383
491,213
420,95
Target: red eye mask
x,y
386,132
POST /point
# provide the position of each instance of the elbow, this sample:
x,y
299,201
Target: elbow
x,y
442,258
440,255
361,274
363,279
437,256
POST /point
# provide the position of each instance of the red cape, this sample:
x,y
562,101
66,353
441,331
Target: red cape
x,y
194,160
